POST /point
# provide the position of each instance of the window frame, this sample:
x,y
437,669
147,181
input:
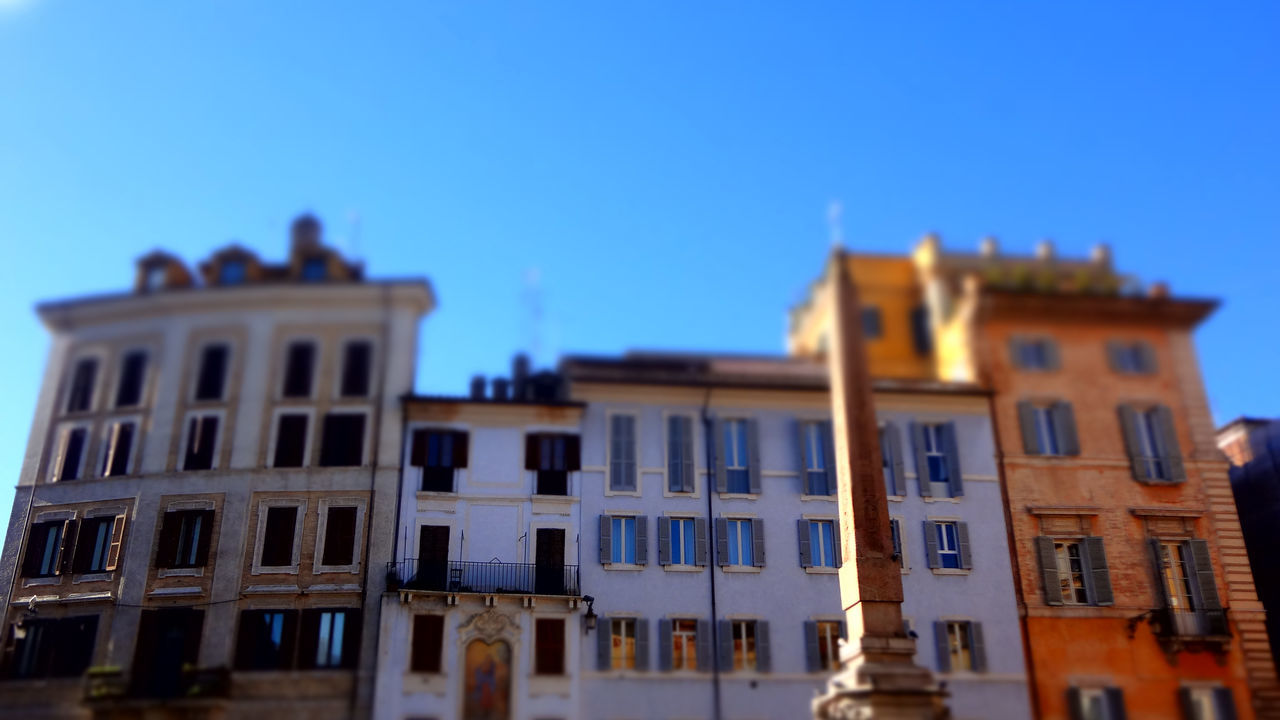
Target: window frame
x,y
122,357
609,487
696,481
308,439
107,447
184,437
689,644
322,526
689,549
942,526
559,668
299,523
63,440
98,357
827,553
282,375
618,659
373,377
365,411
737,478
204,535
228,368
829,635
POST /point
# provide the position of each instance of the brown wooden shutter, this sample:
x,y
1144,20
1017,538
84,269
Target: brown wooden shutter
x,y
548,638
418,448
117,541
572,453
1064,425
1099,574
170,524
1207,589
1048,556
532,456
460,449
428,642
36,539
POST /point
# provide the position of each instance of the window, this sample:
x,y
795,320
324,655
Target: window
x,y
72,454
315,269
43,648
742,635
1034,353
960,646
895,534
622,452
184,539
356,364
340,536
618,535
80,399
98,546
622,644
682,541
1096,703
342,440
1151,441
921,338
680,454
1191,605
740,542
948,544
548,640
1046,434
891,460
330,638
133,369
266,639
818,543
937,456
45,548
1131,358
212,377
1176,575
1070,564
115,461
428,644
736,457
278,537
438,453
299,365
291,440
1207,703
552,457
684,644
231,272
822,644
156,276
935,453
871,328
1048,428
202,439
815,458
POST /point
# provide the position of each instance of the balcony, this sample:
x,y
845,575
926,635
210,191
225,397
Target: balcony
x,y
111,687
1192,624
491,578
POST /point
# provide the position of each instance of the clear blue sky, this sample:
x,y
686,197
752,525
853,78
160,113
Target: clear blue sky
x,y
663,168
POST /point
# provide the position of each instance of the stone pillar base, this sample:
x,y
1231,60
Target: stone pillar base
x,y
881,691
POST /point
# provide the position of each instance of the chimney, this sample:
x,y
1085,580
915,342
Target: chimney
x,y
477,387
520,376
989,247
500,386
1044,250
1158,290
1101,254
305,234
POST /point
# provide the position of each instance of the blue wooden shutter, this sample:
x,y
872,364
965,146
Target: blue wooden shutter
x,y
642,540
664,541
764,653
642,643
806,551
757,542
664,645
922,461
951,447
606,539
753,456
604,644
942,646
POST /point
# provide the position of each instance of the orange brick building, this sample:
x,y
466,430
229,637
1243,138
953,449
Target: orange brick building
x,y
1132,577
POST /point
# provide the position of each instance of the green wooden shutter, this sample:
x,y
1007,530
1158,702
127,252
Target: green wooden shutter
x,y
606,540
1099,574
962,537
725,645
1132,442
1173,468
1115,703
1157,558
642,643
700,541
1027,423
922,463
1075,703
1225,703
642,540
827,435
1049,570
687,475
803,455
704,645
806,551
1064,425
897,465
977,647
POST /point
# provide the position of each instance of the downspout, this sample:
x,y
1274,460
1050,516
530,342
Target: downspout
x,y
709,436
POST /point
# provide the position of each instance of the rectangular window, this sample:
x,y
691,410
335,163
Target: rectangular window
x,y
828,644
684,644
356,363
895,532
211,379
935,452
622,633
683,544
814,437
622,452
740,544
960,645
298,368
291,440
736,457
744,644
340,536
548,640
680,454
1208,703
1046,430
552,456
202,439
80,399
921,337
266,639
1034,353
330,639
94,545
438,453
822,543
342,440
1071,573
232,272
315,269
1177,575
1097,703
133,370
623,540
44,648
184,539
428,644
1131,358
278,537
948,544
73,454
871,326
44,549
115,461
1152,442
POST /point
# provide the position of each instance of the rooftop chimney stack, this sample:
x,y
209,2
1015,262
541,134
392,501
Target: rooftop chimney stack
x,y
500,386
477,387
305,234
989,247
1101,254
1044,250
520,376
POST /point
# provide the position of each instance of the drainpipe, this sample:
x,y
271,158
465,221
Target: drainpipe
x,y
708,433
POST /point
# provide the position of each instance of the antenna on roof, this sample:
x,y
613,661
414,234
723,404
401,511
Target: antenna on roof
x,y
835,217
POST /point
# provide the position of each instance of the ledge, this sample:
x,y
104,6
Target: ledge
x,y
1063,509
1165,512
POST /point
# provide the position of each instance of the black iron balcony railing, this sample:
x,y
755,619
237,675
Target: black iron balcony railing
x,y
1192,623
489,578
111,684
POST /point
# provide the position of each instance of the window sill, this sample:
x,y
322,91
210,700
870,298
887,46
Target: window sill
x,y
340,569
739,496
896,498
691,494
822,570
621,493
740,568
817,498
622,567
272,570
935,498
91,577
179,572
683,568
50,580
951,571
